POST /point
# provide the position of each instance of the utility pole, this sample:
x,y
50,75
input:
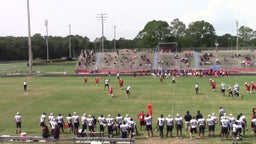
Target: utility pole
x,y
114,38
30,55
69,40
102,17
237,36
46,39
243,36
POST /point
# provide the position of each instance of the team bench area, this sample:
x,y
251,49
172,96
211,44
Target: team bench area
x,y
75,140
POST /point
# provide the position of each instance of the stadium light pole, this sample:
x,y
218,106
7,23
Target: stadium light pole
x,y
30,55
69,40
230,41
102,17
46,39
237,35
176,47
114,38
216,46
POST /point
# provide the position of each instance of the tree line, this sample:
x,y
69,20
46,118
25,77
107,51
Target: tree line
x,y
196,34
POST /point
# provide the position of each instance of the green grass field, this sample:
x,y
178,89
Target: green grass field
x,y
51,68
68,94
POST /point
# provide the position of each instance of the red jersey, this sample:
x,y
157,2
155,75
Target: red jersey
x,y
110,90
253,86
85,79
213,85
212,82
97,79
141,116
121,82
248,87
253,116
161,79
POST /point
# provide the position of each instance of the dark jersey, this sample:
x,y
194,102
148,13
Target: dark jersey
x,y
187,117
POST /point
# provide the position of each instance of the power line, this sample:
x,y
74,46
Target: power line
x,y
46,38
237,35
102,17
30,55
69,26
114,37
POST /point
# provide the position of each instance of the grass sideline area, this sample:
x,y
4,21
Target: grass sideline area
x,y
20,67
68,94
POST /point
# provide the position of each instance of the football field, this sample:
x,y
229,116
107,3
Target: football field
x,y
63,95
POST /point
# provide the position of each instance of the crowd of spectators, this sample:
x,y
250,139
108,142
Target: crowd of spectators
x,y
132,59
206,59
127,58
246,61
190,72
86,59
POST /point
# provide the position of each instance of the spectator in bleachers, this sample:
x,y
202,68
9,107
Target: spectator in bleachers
x,y
217,61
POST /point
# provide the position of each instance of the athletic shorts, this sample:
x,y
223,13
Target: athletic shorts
x,y
142,123
149,127
224,130
18,124
193,130
169,128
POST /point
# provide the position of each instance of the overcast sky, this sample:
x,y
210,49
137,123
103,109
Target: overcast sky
x,y
129,16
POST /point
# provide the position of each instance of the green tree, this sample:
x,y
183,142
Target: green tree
x,y
78,43
108,45
13,48
59,47
226,40
201,34
21,48
10,48
153,32
245,34
97,44
178,31
84,43
125,43
38,46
